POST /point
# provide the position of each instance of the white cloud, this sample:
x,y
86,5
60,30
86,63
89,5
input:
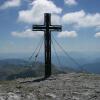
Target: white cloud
x,y
55,19
97,35
70,2
10,3
98,28
69,34
36,13
81,19
27,33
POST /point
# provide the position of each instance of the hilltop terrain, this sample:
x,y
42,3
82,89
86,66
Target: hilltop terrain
x,y
72,86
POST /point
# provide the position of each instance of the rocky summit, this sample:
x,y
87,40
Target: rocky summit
x,y
72,86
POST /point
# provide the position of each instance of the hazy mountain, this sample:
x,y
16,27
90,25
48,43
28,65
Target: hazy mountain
x,y
16,68
92,67
17,62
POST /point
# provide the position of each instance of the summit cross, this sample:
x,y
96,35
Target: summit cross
x,y
47,28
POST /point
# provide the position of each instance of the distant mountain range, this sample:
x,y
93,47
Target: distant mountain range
x,y
92,67
16,68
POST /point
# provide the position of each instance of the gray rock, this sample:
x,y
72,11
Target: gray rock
x,y
72,86
50,95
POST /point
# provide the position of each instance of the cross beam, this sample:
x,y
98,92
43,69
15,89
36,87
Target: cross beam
x,y
43,27
47,28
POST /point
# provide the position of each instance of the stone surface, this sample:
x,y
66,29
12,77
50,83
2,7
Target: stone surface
x,y
72,86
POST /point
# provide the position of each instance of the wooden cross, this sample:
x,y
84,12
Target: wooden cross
x,y
47,28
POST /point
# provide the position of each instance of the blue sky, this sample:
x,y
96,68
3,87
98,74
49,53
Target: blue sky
x,y
80,20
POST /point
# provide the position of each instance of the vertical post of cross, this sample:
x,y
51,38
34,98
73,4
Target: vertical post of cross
x,y
47,41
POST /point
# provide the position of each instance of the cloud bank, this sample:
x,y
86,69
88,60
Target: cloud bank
x,y
70,2
97,35
82,19
36,13
10,3
28,33
69,34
